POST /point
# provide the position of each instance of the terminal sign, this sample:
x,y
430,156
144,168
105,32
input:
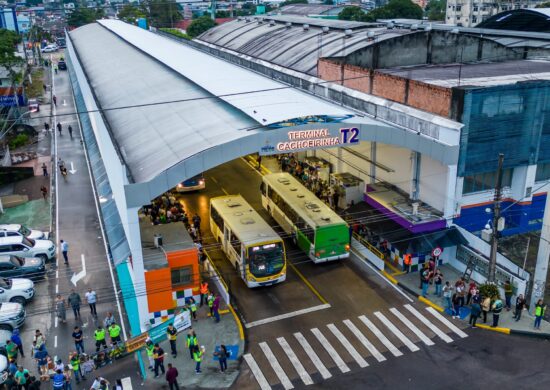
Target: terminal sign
x,y
317,138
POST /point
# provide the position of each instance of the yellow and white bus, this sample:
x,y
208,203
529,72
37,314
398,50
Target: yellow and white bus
x,y
253,247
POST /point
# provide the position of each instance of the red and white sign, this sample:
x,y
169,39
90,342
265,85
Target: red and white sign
x,y
437,251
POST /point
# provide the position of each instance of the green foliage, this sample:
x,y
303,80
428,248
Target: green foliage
x,y
352,13
130,12
18,140
200,25
162,13
435,10
543,5
176,32
81,16
8,60
395,9
38,34
489,290
289,2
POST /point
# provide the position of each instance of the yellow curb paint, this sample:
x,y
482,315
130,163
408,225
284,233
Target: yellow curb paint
x,y
239,323
307,283
224,311
399,273
430,303
499,330
391,266
391,278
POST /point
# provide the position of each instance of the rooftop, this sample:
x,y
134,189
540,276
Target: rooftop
x,y
479,74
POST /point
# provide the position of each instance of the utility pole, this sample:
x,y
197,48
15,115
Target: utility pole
x,y
496,217
541,268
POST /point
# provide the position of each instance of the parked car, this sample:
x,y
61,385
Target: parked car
x,y
62,65
13,230
33,105
49,49
12,315
16,290
27,247
22,267
4,335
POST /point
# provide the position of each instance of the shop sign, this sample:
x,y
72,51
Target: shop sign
x,y
314,138
136,343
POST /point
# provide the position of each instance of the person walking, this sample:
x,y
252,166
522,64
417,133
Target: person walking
x,y
59,127
11,350
222,355
54,98
44,192
472,288
74,301
99,337
67,373
39,339
508,292
78,338
109,320
456,306
204,292
172,334
158,356
216,308
58,380
46,126
438,282
211,304
191,341
475,312
197,223
460,289
540,308
65,250
60,308
16,339
172,377
44,169
425,282
114,333
520,304
447,295
497,308
407,261
70,131
91,298
485,307
149,348
74,359
20,377
197,357
193,307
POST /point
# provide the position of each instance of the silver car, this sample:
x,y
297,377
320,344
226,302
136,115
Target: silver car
x,y
13,230
12,315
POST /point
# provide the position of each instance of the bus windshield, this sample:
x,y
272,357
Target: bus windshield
x,y
266,260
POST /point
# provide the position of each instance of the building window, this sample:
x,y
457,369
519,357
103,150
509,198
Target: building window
x,y
476,9
485,181
182,276
458,8
474,19
543,172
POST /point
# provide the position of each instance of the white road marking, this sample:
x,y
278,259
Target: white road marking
x,y
57,288
387,343
77,276
347,345
427,322
396,332
425,339
372,349
260,378
295,361
57,274
127,383
330,350
286,315
313,356
449,324
276,366
55,322
55,341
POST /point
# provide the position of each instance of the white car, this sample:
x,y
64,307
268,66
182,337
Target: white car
x,y
4,335
13,230
27,247
12,315
49,49
16,290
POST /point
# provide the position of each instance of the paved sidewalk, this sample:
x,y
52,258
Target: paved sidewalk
x,y
210,335
412,281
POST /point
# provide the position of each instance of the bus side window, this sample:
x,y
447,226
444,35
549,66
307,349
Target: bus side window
x,y
236,244
216,218
263,189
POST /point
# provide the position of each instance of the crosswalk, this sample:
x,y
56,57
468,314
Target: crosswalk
x,y
308,358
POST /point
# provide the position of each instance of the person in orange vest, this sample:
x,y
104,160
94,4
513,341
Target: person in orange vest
x,y
204,292
407,261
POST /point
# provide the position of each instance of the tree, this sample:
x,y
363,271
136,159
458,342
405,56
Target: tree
x,y
395,9
352,13
435,10
129,13
162,13
81,16
200,25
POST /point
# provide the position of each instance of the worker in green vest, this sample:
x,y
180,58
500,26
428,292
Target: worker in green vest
x,y
192,342
99,337
11,350
149,348
211,304
540,308
197,356
114,333
74,358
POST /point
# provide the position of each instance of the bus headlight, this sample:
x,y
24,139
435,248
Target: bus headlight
x,y
179,185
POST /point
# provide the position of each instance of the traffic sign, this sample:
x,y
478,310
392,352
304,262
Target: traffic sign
x,y
437,251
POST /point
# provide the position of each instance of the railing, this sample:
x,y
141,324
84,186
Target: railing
x,y
216,276
369,246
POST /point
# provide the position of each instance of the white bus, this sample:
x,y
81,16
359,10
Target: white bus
x,y
253,247
314,227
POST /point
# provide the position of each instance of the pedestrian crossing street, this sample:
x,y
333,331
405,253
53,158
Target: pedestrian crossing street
x,y
311,357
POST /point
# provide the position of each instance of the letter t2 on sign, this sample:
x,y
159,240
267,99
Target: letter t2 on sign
x,y
349,135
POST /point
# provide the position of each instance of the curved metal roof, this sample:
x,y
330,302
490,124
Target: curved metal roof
x,y
531,19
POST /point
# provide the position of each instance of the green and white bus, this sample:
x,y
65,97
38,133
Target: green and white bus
x,y
253,247
314,227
